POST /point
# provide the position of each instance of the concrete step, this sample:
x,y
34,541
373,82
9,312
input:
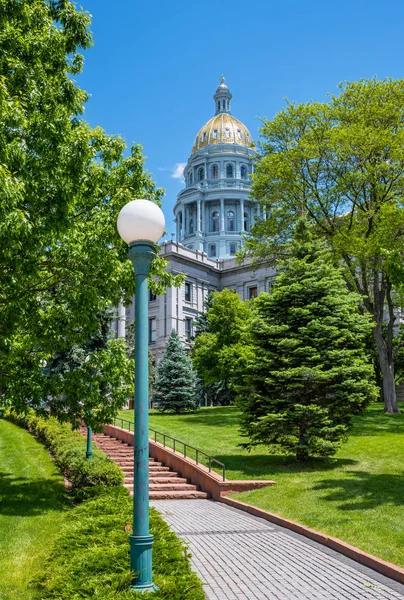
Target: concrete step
x,y
163,487
157,480
159,474
180,495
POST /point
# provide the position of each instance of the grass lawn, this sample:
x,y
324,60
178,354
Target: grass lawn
x,y
358,496
31,506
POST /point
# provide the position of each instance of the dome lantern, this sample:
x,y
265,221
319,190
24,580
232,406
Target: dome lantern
x,y
222,98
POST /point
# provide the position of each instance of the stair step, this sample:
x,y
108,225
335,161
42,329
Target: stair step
x,y
162,487
157,480
157,474
180,495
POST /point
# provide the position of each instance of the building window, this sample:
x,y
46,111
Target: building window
x,y
230,220
212,250
204,136
188,292
233,248
218,106
214,134
188,329
245,221
201,174
191,226
270,284
190,178
152,331
229,171
215,172
227,132
252,292
152,297
215,221
243,172
239,134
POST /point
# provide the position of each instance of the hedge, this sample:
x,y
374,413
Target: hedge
x,y
90,558
68,448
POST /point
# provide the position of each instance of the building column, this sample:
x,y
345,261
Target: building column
x,y
198,216
203,216
121,320
183,223
222,214
242,215
177,227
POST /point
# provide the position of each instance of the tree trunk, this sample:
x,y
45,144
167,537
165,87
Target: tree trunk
x,y
386,363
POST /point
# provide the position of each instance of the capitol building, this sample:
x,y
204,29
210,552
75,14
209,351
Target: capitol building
x,y
212,213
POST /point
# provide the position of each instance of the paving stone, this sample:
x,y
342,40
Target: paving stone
x,y
239,556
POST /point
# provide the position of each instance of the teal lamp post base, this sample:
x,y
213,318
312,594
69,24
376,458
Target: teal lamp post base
x,y
141,562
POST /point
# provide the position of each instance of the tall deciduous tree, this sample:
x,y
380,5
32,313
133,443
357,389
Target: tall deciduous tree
x,y
308,371
176,386
219,346
62,184
342,164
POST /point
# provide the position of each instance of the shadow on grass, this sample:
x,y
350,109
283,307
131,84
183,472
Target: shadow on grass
x,y
267,465
20,496
360,490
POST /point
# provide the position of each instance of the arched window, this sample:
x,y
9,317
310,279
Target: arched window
x,y
229,171
218,106
245,221
191,226
215,221
215,172
230,220
191,179
243,172
201,174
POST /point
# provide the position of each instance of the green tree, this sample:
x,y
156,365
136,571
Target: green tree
x,y
175,388
341,163
308,371
220,344
62,184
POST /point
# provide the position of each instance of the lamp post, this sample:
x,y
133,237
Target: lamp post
x,y
89,450
141,224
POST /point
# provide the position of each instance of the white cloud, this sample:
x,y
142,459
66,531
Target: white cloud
x,y
177,171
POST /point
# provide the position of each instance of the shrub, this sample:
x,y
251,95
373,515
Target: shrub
x,y
91,556
68,448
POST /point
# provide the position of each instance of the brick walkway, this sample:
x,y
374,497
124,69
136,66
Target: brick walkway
x,y
239,556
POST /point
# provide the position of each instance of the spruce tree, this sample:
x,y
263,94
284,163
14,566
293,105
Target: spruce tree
x,y
308,371
175,388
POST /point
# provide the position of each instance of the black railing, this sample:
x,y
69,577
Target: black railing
x,y
187,450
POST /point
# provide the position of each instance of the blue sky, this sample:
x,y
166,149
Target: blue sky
x,y
155,65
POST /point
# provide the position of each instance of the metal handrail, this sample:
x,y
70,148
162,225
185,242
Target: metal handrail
x,y
175,441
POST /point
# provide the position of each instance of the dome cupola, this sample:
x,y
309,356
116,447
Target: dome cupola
x,y
222,98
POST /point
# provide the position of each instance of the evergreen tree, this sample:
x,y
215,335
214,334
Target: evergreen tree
x,y
175,388
308,371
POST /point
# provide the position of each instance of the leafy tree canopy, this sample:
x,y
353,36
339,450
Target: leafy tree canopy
x,y
217,350
62,184
341,164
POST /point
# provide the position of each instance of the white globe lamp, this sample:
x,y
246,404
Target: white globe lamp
x,y
141,220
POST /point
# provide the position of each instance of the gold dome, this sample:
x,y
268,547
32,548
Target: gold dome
x,y
223,129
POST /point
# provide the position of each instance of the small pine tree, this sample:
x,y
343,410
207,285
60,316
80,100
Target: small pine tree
x,y
175,388
308,370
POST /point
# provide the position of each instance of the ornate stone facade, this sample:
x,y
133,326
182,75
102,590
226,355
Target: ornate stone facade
x,y
215,209
212,213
